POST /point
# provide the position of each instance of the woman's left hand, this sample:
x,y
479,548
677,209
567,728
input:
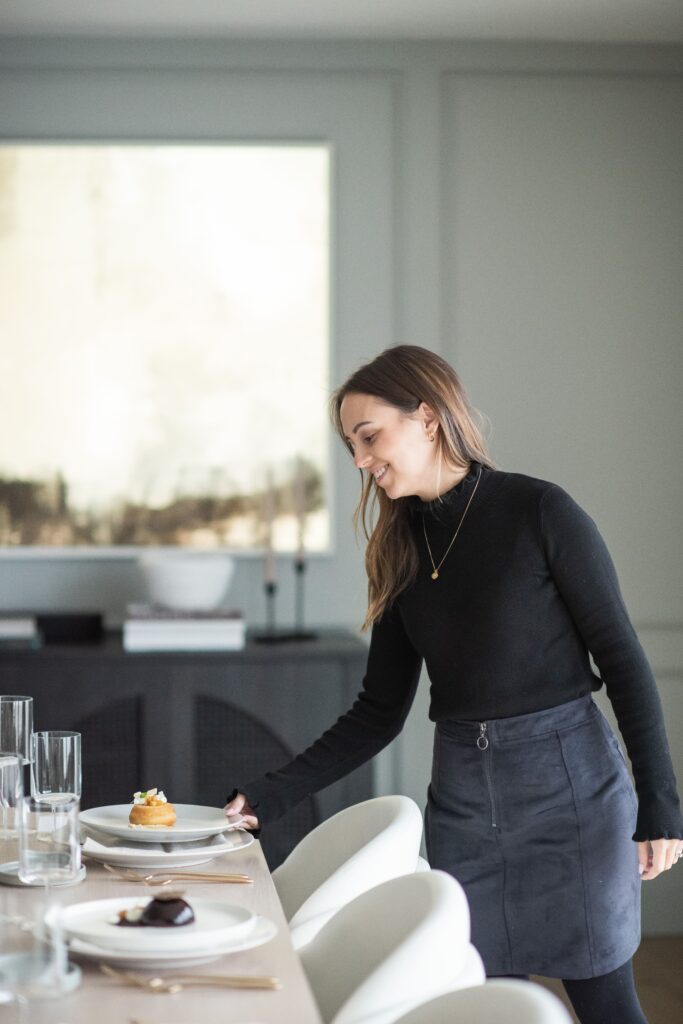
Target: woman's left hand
x,y
657,855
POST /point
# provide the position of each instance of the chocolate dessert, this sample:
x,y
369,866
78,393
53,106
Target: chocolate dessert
x,y
168,910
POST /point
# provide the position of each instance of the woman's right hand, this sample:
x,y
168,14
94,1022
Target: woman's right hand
x,y
240,809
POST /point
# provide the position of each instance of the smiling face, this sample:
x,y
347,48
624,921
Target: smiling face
x,y
391,445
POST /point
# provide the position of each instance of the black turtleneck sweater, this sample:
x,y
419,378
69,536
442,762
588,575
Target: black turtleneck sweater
x,y
526,592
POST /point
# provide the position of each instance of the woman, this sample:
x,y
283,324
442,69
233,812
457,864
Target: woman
x,y
503,585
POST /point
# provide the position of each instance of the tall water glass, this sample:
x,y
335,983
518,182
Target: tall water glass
x,y
16,725
56,766
49,852
49,848
11,795
31,955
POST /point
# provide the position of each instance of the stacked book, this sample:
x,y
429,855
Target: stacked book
x,y
155,628
19,631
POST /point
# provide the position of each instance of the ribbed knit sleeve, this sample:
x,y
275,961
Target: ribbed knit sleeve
x,y
376,718
585,576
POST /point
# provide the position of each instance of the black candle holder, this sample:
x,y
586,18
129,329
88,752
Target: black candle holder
x,y
272,634
300,633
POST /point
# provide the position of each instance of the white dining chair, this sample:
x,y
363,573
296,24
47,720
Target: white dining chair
x,y
499,1001
392,948
344,856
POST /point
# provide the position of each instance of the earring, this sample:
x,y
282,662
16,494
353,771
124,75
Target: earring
x,y
431,437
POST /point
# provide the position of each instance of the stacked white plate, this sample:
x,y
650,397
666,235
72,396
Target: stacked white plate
x,y
218,929
199,835
192,822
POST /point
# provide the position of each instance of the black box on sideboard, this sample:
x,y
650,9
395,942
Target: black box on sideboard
x,y
70,627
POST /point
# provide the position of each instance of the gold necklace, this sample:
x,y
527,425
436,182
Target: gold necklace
x,y
435,574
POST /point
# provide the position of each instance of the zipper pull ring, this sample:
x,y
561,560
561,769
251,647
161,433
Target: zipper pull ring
x,y
482,739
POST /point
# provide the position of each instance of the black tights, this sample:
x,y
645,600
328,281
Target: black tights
x,y
606,999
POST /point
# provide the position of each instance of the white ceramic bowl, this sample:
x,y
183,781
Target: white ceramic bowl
x,y
187,581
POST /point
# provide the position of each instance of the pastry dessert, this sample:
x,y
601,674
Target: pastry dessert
x,y
167,910
151,809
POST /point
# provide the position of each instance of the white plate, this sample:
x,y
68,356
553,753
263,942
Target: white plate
x,y
109,850
263,931
215,923
193,822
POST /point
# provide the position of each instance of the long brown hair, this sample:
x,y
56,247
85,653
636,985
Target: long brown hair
x,y
405,376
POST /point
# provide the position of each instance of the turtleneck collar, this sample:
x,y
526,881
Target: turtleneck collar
x,y
443,506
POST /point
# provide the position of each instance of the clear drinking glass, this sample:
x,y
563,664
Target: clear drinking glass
x,y
49,853
56,766
16,728
16,725
11,795
33,963
49,848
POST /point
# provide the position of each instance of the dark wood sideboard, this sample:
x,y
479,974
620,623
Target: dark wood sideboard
x,y
195,723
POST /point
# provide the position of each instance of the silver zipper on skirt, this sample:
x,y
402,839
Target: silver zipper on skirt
x,y
483,745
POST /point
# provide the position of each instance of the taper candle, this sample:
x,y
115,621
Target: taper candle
x,y
269,573
300,505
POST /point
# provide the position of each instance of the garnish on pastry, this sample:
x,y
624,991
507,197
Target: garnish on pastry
x,y
151,809
167,910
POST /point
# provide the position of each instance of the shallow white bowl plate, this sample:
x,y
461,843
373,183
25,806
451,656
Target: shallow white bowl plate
x,y
193,822
215,923
263,931
109,850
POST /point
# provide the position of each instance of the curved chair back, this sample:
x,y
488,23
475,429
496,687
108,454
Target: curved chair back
x,y
356,849
508,1000
392,948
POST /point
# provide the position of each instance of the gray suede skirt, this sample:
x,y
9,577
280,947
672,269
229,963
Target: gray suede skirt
x,y
533,815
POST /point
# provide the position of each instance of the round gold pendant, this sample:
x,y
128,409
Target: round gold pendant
x,y
435,575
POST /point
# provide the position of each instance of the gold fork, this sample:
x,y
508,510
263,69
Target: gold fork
x,y
176,983
166,877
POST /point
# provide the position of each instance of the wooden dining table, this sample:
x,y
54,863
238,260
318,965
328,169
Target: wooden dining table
x,y
102,1000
